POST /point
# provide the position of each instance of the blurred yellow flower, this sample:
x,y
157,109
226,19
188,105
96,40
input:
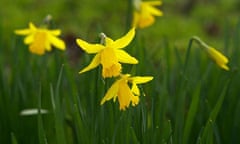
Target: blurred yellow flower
x,y
218,57
41,39
109,53
121,90
215,55
144,12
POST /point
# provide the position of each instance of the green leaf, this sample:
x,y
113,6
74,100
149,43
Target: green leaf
x,y
191,114
57,110
41,133
207,135
13,138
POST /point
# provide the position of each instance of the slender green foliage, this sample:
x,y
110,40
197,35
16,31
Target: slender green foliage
x,y
41,133
57,109
191,114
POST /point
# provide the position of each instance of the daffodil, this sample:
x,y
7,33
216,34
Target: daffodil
x,y
218,57
109,54
144,12
215,55
121,90
41,39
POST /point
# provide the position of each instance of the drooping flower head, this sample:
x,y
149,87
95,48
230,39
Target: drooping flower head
x,y
144,12
121,90
41,39
109,54
218,58
215,55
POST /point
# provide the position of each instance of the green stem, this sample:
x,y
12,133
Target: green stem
x,y
129,14
187,55
200,42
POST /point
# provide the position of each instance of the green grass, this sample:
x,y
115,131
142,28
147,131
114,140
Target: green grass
x,y
190,99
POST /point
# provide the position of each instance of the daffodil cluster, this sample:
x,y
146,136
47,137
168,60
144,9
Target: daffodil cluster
x,y
110,55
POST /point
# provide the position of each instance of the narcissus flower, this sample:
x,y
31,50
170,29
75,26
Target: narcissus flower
x,y
218,57
109,54
41,39
144,12
215,55
121,90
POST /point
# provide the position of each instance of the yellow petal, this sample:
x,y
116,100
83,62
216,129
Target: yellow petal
x,y
94,63
125,40
146,20
89,48
135,89
152,10
224,67
136,18
32,26
48,46
218,57
124,57
31,29
108,41
23,32
135,100
140,80
58,43
55,32
29,39
124,95
111,93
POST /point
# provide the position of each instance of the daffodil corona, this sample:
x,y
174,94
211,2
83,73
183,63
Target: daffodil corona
x,y
121,90
41,39
109,54
144,12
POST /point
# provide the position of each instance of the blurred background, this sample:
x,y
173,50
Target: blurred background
x,y
83,18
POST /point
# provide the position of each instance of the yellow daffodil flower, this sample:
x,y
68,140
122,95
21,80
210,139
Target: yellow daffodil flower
x,y
215,55
144,12
121,90
218,57
109,53
41,39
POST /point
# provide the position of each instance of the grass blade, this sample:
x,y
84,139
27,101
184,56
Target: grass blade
x,y
207,135
13,139
57,110
191,114
41,133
